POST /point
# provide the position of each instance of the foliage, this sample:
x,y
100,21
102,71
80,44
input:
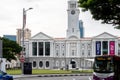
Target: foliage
x,y
106,10
10,49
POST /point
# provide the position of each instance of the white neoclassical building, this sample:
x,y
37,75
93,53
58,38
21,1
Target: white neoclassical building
x,y
71,52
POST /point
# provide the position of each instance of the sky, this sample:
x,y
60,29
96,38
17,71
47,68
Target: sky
x,y
47,16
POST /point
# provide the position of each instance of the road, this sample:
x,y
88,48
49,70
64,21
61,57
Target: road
x,y
58,78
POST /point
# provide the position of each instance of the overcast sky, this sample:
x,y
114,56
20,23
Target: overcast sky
x,y
47,16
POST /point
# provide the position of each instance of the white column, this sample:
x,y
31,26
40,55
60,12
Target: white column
x,y
51,49
78,49
54,50
69,52
67,49
30,49
93,48
60,49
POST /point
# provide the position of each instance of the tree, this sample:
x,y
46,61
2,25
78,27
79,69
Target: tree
x,y
108,11
10,49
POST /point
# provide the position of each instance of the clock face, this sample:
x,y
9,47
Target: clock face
x,y
73,12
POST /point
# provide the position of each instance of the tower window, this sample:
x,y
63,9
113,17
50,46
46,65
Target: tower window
x,y
72,29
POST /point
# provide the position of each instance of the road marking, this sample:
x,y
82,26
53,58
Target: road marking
x,y
73,78
90,78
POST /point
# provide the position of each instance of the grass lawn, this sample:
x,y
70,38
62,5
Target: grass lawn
x,y
40,71
45,71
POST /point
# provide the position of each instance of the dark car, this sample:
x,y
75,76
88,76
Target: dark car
x,y
5,76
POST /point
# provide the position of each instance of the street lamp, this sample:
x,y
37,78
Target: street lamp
x,y
23,28
23,46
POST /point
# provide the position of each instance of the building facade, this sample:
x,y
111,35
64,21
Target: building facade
x,y
27,35
71,52
81,29
10,37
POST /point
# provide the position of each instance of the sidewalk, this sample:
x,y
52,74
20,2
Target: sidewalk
x,y
50,75
23,76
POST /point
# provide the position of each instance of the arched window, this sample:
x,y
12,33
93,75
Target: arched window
x,y
63,63
47,63
57,63
34,63
82,63
40,64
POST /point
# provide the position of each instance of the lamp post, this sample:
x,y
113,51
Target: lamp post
x,y
23,45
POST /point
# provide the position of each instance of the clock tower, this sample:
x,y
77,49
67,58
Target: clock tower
x,y
73,30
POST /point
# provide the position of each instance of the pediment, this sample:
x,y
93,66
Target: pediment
x,y
41,36
105,35
73,37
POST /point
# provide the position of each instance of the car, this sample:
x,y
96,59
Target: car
x,y
5,76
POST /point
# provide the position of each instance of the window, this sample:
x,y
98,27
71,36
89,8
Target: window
x,y
89,64
105,44
57,46
83,46
47,63
82,53
105,47
73,52
73,44
57,63
40,64
82,64
63,63
63,53
63,46
34,48
73,5
47,48
88,52
34,63
57,53
88,46
41,48
72,29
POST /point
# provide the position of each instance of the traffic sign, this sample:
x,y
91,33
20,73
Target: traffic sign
x,y
22,58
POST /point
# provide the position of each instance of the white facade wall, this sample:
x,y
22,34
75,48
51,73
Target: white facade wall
x,y
71,52
63,51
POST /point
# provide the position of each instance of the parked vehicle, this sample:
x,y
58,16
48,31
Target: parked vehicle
x,y
5,76
106,67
